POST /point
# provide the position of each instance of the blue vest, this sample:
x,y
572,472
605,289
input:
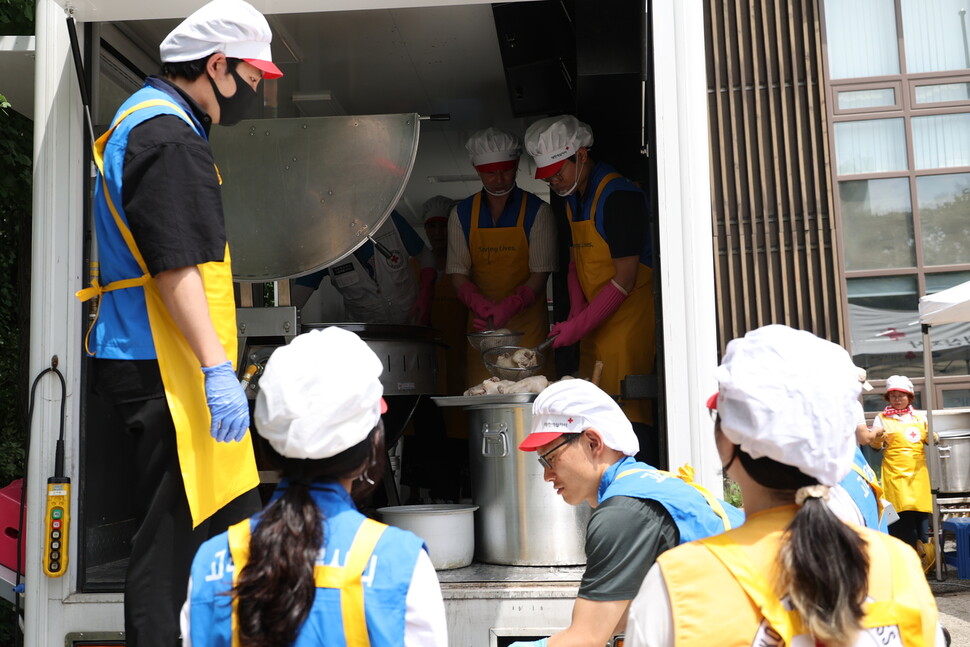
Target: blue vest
x,y
691,512
122,330
862,493
578,214
509,216
386,580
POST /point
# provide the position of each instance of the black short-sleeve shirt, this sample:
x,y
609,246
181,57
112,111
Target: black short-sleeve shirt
x,y
171,194
623,539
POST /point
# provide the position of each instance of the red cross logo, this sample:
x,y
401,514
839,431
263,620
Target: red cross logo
x,y
912,434
569,420
893,334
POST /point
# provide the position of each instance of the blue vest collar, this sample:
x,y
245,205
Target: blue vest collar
x,y
610,474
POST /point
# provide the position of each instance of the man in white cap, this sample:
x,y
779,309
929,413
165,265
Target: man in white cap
x,y
165,336
501,248
586,447
378,284
611,307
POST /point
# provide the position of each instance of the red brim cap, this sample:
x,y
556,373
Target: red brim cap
x,y
548,171
269,70
506,165
383,406
712,402
536,440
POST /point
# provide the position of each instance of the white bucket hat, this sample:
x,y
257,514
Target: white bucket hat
x,y
493,150
790,396
571,407
232,27
320,394
553,140
900,383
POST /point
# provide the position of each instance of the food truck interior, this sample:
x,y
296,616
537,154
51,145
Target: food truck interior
x,y
469,65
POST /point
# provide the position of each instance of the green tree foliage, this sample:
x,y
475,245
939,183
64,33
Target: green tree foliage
x,y
16,144
16,17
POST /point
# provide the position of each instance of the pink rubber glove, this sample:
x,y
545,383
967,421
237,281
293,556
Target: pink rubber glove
x,y
420,312
522,298
577,298
480,306
575,328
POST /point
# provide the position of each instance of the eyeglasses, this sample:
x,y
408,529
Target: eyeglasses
x,y
557,178
544,460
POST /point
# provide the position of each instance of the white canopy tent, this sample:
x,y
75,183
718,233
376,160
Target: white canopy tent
x,y
949,306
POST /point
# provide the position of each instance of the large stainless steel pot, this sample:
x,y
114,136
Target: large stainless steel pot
x,y
410,355
954,448
521,521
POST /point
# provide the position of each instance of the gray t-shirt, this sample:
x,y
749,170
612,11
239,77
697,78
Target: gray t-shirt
x,y
623,539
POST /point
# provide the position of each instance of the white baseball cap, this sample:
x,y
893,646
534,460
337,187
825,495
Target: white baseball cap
x,y
553,140
864,378
437,207
320,394
232,27
571,407
899,383
791,396
493,150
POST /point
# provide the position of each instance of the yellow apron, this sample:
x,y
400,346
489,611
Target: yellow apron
x,y
347,578
721,590
213,473
626,341
500,263
905,479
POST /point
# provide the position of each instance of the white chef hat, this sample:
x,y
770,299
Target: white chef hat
x,y
232,27
320,394
571,407
553,140
436,207
899,383
493,150
790,396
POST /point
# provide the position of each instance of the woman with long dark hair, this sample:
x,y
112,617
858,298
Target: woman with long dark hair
x,y
310,569
793,574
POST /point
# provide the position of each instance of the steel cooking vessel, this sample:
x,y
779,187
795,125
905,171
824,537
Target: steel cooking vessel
x,y
954,448
410,355
520,521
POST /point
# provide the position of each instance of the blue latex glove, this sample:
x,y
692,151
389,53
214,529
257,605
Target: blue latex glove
x,y
530,643
227,403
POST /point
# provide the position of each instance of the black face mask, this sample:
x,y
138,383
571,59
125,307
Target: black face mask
x,y
233,109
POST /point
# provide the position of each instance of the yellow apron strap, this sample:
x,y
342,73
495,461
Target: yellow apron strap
x,y
786,623
609,177
239,535
687,475
347,578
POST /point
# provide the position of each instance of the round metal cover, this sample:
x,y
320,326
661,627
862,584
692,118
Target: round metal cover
x,y
301,194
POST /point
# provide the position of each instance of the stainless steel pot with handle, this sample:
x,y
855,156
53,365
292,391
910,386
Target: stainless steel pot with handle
x,y
520,521
954,448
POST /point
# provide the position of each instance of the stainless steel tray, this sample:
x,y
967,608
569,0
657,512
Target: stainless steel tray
x,y
479,401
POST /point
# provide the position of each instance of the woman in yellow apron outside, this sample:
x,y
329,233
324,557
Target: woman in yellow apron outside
x,y
501,248
793,574
310,569
905,478
610,278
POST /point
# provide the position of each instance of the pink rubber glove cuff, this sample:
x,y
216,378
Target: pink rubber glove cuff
x,y
522,298
600,308
480,306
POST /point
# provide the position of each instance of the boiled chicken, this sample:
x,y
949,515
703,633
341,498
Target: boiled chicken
x,y
534,384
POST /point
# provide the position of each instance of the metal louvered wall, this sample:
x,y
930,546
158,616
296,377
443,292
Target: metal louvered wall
x,y
773,221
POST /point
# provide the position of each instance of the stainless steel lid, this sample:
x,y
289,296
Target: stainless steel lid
x,y
301,194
